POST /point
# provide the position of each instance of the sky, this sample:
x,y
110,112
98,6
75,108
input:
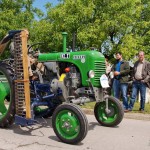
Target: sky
x,y
40,3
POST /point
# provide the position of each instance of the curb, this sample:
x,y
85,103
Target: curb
x,y
128,115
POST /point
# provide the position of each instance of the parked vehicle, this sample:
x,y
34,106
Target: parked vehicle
x,y
69,78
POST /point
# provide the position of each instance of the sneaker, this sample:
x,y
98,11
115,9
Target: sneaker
x,y
126,110
129,109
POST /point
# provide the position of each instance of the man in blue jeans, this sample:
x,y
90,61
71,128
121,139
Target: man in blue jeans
x,y
141,79
121,71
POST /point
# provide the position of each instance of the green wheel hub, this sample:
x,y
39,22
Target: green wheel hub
x,y
108,117
67,124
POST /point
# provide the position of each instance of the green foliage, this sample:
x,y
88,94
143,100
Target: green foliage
x,y
15,15
108,25
20,17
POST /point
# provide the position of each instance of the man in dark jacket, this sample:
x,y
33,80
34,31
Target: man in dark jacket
x,y
141,79
121,71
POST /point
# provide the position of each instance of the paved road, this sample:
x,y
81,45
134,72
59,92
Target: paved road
x,y
129,135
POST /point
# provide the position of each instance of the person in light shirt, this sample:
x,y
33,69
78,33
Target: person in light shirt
x,y
141,79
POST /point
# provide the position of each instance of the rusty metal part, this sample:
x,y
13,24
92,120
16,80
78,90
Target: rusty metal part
x,y
22,90
18,68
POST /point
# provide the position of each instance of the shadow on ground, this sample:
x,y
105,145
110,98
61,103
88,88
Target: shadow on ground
x,y
27,130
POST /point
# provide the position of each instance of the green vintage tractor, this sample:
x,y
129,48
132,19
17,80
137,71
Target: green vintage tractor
x,y
68,79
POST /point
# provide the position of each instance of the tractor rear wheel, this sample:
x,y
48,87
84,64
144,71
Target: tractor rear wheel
x,y
111,118
69,123
7,100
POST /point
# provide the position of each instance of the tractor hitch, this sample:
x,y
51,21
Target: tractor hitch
x,y
22,121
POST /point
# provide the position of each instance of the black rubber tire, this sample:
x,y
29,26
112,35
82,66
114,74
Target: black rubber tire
x,y
82,121
8,118
119,114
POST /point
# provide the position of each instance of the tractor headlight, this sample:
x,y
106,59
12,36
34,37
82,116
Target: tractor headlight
x,y
91,74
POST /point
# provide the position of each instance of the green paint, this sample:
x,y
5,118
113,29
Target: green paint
x,y
108,118
4,91
67,124
84,61
64,34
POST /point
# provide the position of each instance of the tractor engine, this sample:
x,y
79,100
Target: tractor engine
x,y
72,79
69,81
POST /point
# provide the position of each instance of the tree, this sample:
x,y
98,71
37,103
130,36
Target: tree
x,y
109,25
20,17
106,24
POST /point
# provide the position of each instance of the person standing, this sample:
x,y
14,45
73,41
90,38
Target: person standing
x,y
141,79
121,71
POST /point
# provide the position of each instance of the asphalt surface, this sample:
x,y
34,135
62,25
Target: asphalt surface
x,y
129,134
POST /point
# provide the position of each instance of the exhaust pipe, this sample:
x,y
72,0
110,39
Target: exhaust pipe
x,y
81,100
64,34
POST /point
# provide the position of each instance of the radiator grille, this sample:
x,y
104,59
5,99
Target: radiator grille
x,y
99,70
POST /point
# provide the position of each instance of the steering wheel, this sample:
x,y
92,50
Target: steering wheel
x,y
29,48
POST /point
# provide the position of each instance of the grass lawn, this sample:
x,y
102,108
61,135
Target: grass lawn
x,y
135,109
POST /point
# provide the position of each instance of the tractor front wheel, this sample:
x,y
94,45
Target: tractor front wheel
x,y
111,117
69,123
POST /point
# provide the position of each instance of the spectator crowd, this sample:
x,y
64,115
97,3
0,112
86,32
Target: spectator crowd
x,y
126,79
